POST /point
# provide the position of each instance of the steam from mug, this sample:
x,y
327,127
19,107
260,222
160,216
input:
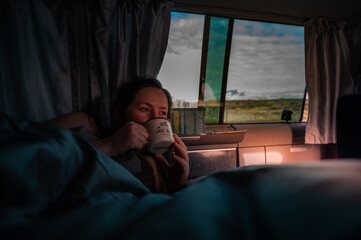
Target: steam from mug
x,y
160,135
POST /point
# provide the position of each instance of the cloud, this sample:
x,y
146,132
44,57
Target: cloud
x,y
275,94
254,28
185,33
267,60
232,92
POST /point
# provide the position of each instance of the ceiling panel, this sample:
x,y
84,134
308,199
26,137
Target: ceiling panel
x,y
336,10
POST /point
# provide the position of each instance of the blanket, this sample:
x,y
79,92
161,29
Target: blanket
x,y
56,185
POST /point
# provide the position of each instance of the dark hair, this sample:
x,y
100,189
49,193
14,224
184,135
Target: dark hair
x,y
127,93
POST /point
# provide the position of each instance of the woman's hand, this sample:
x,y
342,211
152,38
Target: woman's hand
x,y
169,172
130,136
177,162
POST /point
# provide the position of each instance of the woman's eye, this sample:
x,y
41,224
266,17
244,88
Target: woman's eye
x,y
163,113
144,109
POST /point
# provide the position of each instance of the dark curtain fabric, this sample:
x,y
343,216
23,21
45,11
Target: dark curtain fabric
x,y
333,70
35,80
64,56
131,39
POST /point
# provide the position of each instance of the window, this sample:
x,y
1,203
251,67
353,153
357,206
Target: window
x,y
182,63
266,72
240,71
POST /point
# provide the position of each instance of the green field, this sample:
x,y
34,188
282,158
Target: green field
x,y
255,110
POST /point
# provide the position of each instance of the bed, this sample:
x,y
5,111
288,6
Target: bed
x,y
55,185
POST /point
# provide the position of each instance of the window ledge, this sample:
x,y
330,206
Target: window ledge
x,y
219,136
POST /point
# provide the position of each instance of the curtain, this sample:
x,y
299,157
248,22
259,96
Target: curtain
x,y
131,39
61,56
333,69
35,80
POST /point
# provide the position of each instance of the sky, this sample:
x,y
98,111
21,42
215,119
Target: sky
x,y
267,60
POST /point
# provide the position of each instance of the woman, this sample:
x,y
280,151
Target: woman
x,y
139,101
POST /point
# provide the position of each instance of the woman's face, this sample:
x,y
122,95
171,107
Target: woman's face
x,y
149,102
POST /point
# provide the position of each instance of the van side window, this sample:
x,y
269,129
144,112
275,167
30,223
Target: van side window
x,y
182,62
241,71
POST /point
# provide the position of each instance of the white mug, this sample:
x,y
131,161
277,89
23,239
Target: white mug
x,y
160,135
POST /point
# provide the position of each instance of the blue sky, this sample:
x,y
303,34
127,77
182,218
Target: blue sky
x,y
179,15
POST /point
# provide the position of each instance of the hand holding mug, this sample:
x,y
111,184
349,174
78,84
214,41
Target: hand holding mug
x,y
160,135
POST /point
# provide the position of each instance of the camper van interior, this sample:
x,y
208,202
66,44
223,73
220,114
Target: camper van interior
x,y
265,100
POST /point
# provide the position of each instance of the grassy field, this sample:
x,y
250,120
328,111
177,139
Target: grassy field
x,y
255,110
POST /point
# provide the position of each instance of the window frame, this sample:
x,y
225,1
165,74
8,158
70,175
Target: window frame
x,y
208,13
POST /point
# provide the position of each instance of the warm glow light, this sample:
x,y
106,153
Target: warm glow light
x,y
255,158
274,158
